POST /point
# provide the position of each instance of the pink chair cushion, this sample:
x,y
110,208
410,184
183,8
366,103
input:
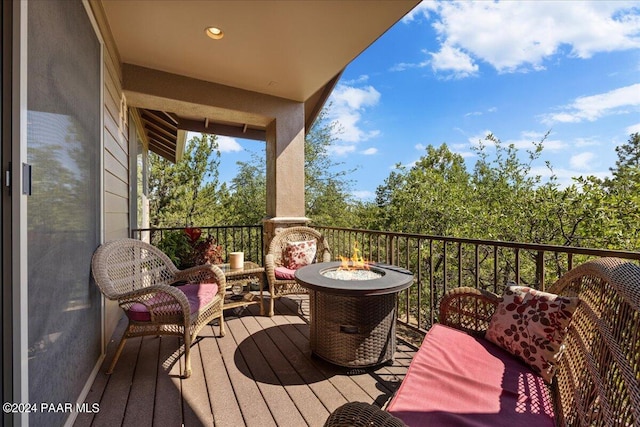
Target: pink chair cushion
x,y
284,273
458,380
197,295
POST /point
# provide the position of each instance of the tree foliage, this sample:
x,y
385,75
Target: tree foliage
x,y
498,199
185,193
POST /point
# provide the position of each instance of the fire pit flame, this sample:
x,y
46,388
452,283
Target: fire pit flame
x,y
354,268
356,262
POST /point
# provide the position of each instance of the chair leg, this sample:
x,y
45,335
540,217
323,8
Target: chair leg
x,y
221,322
187,358
117,355
271,303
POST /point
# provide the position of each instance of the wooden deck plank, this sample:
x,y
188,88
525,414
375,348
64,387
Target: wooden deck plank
x,y
196,408
265,363
288,363
119,386
255,411
139,411
377,390
262,373
100,383
168,401
224,405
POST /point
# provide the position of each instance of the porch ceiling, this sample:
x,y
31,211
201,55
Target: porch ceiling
x,y
288,49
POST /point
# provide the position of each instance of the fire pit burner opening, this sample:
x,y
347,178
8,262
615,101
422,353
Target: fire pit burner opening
x,y
352,274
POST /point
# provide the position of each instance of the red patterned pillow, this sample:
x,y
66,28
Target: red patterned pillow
x,y
531,325
299,254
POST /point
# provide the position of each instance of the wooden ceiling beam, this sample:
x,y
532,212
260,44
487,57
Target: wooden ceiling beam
x,y
159,119
223,130
168,143
160,130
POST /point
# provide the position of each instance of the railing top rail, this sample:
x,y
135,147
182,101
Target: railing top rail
x,y
201,226
514,245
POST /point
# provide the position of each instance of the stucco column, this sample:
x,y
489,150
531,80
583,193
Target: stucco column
x,y
285,171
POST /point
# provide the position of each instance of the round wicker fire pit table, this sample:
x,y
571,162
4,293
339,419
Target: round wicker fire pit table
x,y
353,322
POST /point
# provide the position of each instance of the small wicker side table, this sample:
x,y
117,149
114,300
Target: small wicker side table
x,y
243,277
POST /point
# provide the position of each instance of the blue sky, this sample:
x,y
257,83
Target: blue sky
x,y
451,72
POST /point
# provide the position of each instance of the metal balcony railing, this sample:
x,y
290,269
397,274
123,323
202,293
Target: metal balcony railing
x,y
441,263
232,238
438,263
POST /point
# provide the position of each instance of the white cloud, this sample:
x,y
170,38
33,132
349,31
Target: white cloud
x,y
593,107
347,104
465,154
454,62
361,79
422,9
523,35
341,150
420,147
524,142
370,151
480,113
582,161
585,142
633,129
479,137
564,177
226,144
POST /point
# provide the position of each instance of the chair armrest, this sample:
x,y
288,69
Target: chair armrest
x,y
204,274
270,269
468,309
326,255
360,414
161,301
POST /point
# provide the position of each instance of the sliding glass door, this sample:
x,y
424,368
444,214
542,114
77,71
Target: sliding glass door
x,y
63,208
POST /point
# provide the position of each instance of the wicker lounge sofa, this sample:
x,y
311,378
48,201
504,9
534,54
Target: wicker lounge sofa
x,y
459,378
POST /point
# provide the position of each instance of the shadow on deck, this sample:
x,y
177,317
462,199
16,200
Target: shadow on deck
x,y
262,373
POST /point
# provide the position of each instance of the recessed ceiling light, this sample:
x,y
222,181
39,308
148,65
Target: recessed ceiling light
x,y
214,32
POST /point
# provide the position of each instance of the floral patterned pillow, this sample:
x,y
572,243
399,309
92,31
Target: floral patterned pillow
x,y
531,325
299,254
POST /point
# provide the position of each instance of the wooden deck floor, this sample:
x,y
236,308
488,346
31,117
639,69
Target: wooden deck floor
x,y
261,373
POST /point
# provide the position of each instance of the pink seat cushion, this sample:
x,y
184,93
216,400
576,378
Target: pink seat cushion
x,y
458,380
197,295
284,273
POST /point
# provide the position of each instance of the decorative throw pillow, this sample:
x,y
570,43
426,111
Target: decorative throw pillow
x,y
299,254
531,325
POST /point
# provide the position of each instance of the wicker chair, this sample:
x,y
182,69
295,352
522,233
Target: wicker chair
x,y
276,257
139,276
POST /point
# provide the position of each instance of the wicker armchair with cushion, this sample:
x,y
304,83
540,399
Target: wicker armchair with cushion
x,y
290,249
140,277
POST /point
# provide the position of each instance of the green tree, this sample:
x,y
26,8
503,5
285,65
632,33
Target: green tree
x,y
247,199
186,193
623,196
429,198
327,185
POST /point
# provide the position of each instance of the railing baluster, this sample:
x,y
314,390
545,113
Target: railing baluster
x,y
419,281
540,270
445,283
432,287
459,263
495,268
